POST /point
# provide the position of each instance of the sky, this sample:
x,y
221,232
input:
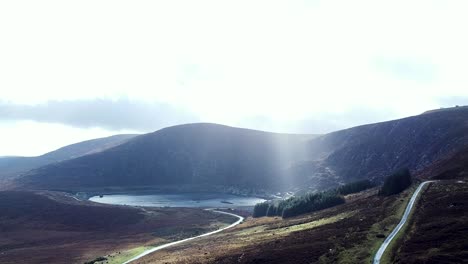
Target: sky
x,y
76,70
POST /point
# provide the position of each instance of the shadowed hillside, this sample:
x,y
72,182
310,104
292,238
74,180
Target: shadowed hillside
x,y
453,167
219,155
187,154
376,150
12,166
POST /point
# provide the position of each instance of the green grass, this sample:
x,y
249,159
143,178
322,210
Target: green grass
x,y
313,224
116,258
261,232
389,253
365,252
172,234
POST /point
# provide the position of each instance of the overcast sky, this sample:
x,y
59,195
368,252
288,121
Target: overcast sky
x,y
75,70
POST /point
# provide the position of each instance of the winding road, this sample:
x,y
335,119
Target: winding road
x,y
395,231
149,251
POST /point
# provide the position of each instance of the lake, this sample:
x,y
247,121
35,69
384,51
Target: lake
x,y
204,200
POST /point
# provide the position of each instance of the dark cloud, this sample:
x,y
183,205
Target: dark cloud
x,y
451,101
105,113
145,117
323,122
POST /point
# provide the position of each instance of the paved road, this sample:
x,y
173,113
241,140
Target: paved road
x,y
149,251
395,231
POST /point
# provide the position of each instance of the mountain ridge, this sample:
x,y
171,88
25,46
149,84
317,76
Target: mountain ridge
x,y
11,166
374,151
206,153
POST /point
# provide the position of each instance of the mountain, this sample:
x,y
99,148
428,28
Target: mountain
x,y
13,166
210,154
186,154
376,150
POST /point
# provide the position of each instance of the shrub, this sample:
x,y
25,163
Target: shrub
x,y
396,183
260,209
354,187
298,205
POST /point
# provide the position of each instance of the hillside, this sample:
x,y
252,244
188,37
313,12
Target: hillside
x,y
438,231
454,166
12,166
209,154
376,150
187,154
348,233
44,227
435,233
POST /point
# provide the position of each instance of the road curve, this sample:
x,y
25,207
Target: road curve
x,y
149,251
395,231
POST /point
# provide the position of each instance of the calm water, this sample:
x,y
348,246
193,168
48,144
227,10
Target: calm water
x,y
179,200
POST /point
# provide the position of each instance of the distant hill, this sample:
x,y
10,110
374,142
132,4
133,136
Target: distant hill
x,y
186,154
212,154
13,166
454,108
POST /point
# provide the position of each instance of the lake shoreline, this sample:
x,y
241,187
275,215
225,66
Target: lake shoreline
x,y
86,193
186,199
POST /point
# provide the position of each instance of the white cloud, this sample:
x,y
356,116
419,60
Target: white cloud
x,y
29,138
232,61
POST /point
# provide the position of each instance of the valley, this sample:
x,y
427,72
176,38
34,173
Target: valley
x,y
343,234
233,132
148,194
349,233
222,157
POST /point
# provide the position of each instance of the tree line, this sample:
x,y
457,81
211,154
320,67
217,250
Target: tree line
x,y
309,202
396,183
297,205
355,187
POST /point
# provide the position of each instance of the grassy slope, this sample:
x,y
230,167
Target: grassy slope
x,y
389,253
171,234
344,234
439,230
364,252
51,228
122,256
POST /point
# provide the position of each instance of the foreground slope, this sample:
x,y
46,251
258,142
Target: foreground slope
x,y
13,166
350,233
438,231
45,227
